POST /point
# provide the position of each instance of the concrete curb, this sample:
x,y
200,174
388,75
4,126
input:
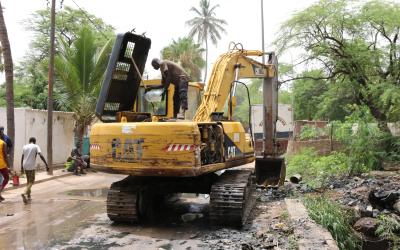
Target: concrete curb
x,y
38,181
311,235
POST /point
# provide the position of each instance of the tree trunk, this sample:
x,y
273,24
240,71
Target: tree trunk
x,y
79,132
50,90
8,68
205,73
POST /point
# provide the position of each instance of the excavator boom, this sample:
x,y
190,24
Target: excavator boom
x,y
229,67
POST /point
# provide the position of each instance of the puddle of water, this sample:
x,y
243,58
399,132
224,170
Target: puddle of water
x,y
88,192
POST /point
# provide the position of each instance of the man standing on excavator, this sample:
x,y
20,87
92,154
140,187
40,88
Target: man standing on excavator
x,y
175,74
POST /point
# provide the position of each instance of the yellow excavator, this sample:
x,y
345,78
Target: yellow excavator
x,y
201,154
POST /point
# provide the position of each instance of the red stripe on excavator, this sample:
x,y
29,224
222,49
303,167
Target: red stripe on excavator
x,y
179,147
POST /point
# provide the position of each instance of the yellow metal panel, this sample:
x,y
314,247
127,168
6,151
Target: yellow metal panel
x,y
236,133
143,146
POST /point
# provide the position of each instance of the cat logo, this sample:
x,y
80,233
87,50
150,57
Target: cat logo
x,y
259,71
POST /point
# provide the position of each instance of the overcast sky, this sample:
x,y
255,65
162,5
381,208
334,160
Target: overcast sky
x,y
164,20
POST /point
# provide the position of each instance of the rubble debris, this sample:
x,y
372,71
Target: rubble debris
x,y
194,235
383,198
246,246
280,227
366,226
295,178
390,166
191,216
375,213
396,206
376,244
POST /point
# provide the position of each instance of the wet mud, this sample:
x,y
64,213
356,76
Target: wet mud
x,y
75,218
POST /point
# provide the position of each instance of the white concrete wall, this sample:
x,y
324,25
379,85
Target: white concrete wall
x,y
33,123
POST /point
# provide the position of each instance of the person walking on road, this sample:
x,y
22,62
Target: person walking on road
x,y
28,164
4,167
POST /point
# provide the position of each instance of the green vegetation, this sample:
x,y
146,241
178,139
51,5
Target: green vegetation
x,y
79,68
332,217
186,53
309,132
317,170
364,148
389,228
362,141
350,52
30,76
293,242
319,100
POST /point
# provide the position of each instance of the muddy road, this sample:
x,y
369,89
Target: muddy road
x,y
70,213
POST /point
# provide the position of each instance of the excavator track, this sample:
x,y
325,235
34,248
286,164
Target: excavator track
x,y
123,200
231,198
122,203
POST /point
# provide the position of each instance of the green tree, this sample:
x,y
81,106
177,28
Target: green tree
x,y
284,97
69,22
206,26
80,69
186,53
355,42
308,94
33,69
9,73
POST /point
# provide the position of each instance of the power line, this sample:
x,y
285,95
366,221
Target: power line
x,y
88,18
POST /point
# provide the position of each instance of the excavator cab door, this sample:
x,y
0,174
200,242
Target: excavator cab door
x,y
123,76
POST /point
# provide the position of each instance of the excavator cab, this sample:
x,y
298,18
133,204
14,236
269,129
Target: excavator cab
x,y
163,107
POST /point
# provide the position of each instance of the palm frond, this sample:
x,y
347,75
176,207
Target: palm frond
x,y
195,10
100,66
67,73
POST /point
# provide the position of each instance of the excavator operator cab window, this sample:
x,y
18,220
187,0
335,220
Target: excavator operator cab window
x,y
154,105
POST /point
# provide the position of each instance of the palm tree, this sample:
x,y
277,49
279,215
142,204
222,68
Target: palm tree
x,y
206,26
8,68
80,69
186,53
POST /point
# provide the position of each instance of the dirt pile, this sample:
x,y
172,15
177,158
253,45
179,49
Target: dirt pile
x,y
370,196
268,227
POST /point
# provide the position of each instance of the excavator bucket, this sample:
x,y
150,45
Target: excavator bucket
x,y
270,171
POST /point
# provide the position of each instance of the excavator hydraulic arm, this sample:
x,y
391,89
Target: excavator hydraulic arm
x,y
230,67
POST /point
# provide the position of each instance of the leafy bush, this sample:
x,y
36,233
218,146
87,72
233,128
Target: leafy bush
x,y
311,132
365,147
362,140
316,170
332,217
389,228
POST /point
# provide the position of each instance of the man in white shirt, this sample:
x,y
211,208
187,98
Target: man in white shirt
x,y
28,164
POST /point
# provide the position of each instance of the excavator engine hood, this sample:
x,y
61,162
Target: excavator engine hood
x,y
123,76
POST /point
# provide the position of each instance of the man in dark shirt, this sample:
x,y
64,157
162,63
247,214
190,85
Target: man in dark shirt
x,y
6,139
175,74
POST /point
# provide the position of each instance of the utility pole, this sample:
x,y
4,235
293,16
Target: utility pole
x,y
50,92
262,30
